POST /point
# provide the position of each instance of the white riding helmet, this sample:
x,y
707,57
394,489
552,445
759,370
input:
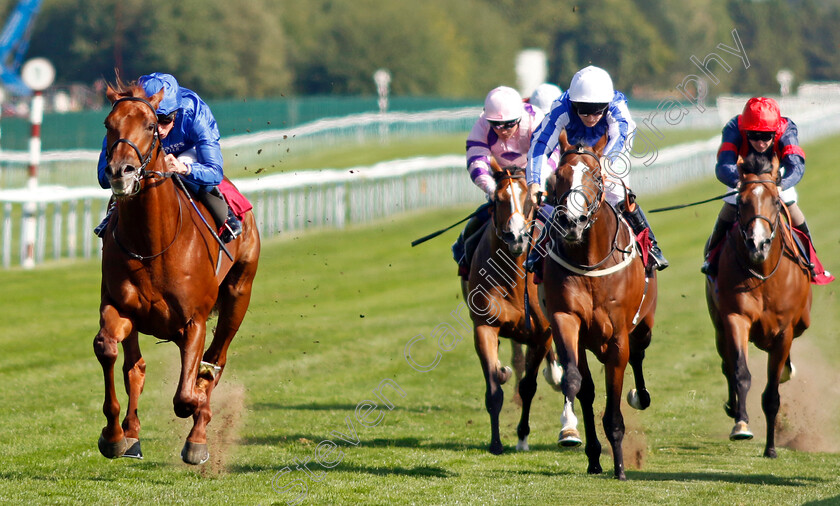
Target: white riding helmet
x,y
503,104
591,85
544,95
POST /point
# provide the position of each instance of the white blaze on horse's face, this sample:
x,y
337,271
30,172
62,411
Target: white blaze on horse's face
x,y
515,232
759,235
578,204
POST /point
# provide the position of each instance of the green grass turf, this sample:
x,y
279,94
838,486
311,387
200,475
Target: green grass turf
x,y
331,315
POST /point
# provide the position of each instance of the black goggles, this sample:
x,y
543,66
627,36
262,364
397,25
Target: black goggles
x,y
760,136
165,119
504,125
589,109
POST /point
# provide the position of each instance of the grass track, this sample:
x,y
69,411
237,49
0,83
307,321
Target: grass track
x,y
331,315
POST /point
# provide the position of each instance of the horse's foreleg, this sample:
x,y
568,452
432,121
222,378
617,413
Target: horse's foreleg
x,y
527,390
187,398
487,348
615,365
776,359
565,329
134,377
587,399
639,397
113,329
736,329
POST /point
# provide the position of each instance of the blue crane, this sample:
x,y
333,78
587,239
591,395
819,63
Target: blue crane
x,y
14,41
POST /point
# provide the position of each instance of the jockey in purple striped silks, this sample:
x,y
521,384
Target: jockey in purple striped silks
x,y
502,133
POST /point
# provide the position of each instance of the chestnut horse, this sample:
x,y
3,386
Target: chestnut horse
x,y
496,297
762,294
598,296
162,274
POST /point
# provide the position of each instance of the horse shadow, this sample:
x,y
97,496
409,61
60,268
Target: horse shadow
x,y
720,477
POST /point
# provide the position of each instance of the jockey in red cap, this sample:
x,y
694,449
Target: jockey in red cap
x,y
760,127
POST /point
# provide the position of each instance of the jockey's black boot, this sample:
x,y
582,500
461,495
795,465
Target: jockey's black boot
x,y
464,247
803,227
232,227
709,266
227,224
100,229
638,222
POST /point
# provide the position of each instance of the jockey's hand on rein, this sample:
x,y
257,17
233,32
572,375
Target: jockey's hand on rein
x,y
175,165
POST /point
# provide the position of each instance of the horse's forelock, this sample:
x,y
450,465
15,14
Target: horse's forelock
x,y
757,163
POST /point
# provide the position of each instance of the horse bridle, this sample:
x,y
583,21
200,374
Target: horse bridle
x,y
774,227
592,208
144,160
142,173
516,207
578,150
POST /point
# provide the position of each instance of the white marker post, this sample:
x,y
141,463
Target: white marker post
x,y
38,74
382,78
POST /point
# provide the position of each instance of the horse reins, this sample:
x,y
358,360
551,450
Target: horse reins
x,y
774,227
144,160
142,173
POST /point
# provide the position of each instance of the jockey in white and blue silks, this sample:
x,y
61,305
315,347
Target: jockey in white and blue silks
x,y
589,109
502,133
189,136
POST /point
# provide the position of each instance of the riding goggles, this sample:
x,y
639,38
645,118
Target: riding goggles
x,y
165,119
589,108
754,135
504,125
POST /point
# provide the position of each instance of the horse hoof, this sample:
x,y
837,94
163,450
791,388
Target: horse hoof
x,y
195,453
569,438
727,408
496,448
770,453
133,451
788,373
522,445
638,400
740,432
112,450
594,469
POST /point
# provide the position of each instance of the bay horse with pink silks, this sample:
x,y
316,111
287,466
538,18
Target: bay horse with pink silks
x,y
599,294
163,272
502,299
762,294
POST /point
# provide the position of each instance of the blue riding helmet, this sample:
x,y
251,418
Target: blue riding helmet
x,y
152,83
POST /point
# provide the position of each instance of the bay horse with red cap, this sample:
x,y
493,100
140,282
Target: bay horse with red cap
x,y
599,296
163,272
762,294
502,299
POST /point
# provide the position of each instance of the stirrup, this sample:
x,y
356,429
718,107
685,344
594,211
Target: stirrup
x,y
231,229
658,258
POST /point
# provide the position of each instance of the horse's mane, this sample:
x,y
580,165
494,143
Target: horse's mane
x,y
120,86
757,163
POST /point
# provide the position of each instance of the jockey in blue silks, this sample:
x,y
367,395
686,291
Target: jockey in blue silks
x,y
589,109
189,136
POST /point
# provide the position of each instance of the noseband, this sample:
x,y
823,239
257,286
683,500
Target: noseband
x,y
774,224
592,208
144,160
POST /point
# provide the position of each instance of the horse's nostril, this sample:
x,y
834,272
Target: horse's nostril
x,y
581,219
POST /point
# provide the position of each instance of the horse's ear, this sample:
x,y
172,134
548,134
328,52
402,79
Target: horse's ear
x,y
598,148
494,165
112,94
156,98
563,140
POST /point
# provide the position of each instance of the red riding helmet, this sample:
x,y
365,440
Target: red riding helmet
x,y
761,114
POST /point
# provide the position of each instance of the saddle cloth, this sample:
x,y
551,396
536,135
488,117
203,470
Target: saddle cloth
x,y
237,202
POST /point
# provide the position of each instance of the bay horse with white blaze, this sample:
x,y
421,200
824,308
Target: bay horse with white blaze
x,y
162,275
496,297
762,293
598,296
